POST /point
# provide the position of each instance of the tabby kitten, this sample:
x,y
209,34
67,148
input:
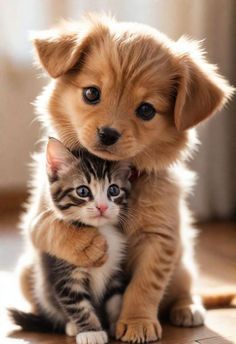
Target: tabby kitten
x,y
84,191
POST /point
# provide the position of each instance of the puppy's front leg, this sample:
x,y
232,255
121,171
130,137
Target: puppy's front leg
x,y
84,247
152,260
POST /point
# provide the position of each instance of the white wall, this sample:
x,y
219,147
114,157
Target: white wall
x,y
18,133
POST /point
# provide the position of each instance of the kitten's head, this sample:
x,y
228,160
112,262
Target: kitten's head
x,y
85,188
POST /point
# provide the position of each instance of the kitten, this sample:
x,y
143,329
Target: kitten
x,y
84,191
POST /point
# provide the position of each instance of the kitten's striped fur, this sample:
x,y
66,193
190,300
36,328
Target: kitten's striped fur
x,y
69,296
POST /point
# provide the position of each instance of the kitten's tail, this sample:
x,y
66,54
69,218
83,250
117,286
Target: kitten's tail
x,y
219,298
33,322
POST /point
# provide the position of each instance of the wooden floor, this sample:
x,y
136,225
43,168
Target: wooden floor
x,y
216,252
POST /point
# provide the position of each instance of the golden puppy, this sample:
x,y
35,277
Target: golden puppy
x,y
126,91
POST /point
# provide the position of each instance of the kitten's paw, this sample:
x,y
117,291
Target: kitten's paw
x,y
188,315
92,337
138,331
71,329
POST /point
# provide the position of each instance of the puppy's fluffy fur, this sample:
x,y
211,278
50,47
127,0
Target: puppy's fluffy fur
x,y
131,64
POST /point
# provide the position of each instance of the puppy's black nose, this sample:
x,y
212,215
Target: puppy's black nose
x,y
108,136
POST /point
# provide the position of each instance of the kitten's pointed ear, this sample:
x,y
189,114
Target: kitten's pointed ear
x,y
58,51
125,170
201,91
58,157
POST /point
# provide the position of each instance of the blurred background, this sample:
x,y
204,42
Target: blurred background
x,y
212,21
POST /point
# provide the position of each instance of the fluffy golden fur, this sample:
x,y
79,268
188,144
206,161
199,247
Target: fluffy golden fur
x,y
131,64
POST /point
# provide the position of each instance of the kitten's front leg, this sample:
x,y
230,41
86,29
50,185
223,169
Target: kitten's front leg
x,y
113,308
152,260
84,247
113,300
76,303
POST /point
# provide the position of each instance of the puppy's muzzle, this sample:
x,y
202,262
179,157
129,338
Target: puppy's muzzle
x,y
108,136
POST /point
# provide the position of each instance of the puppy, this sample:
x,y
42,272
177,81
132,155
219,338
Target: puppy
x,y
125,91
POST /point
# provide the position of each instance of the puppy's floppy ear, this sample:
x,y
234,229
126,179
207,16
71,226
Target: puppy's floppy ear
x,y
59,50
200,89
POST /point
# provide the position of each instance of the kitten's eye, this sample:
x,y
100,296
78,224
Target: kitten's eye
x,y
83,191
146,111
91,95
113,190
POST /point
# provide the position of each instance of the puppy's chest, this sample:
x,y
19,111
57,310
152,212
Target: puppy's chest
x,y
144,192
150,198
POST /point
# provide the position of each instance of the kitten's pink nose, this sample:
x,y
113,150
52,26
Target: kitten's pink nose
x,y
102,208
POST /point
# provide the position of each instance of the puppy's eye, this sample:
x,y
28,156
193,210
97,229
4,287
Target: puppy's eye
x,y
113,190
83,191
91,95
146,111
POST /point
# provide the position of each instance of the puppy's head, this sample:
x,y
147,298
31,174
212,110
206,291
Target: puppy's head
x,y
124,90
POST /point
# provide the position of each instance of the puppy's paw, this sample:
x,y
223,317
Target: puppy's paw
x,y
188,315
71,329
92,337
95,254
98,250
138,330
